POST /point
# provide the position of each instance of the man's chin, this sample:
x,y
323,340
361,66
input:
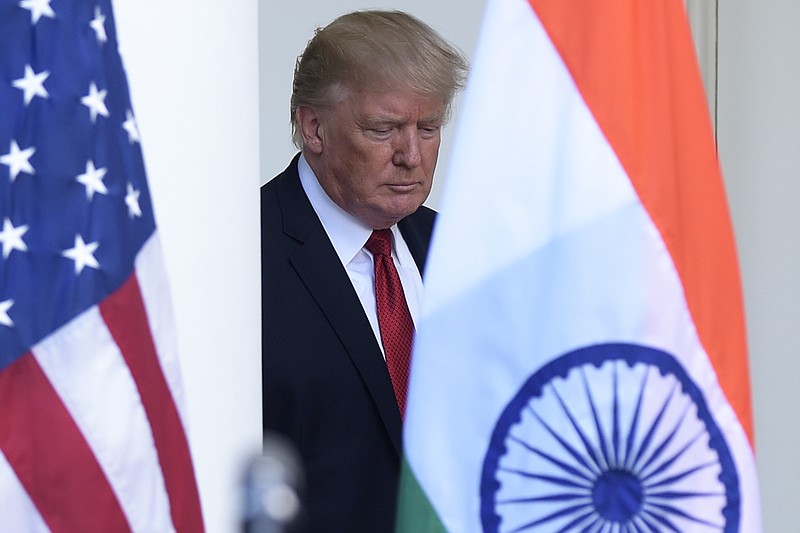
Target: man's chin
x,y
388,217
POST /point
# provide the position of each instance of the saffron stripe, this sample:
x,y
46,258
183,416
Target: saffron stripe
x,y
50,456
645,92
125,317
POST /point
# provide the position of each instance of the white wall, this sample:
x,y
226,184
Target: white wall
x,y
193,74
759,147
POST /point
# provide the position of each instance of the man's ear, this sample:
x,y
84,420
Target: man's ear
x,y
310,124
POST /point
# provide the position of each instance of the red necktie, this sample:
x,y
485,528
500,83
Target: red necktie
x,y
394,319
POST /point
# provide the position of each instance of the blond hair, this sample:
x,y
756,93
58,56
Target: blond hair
x,y
375,50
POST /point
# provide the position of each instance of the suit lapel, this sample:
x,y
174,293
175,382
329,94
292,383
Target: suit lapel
x,y
416,230
320,269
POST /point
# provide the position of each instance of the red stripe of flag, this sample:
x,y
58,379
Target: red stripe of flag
x,y
125,316
634,64
50,456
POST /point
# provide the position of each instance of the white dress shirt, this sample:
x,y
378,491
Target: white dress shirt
x,y
348,236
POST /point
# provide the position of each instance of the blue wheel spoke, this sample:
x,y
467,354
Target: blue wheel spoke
x,y
629,453
577,522
553,460
663,521
653,427
681,475
560,481
550,518
565,445
556,497
666,442
615,438
683,495
601,439
587,445
666,465
674,511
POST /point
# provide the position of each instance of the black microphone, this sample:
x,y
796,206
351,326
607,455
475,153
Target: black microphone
x,y
272,488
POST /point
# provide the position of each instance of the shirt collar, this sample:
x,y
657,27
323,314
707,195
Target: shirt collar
x,y
346,233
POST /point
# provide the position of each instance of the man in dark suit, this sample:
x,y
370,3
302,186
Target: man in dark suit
x,y
371,93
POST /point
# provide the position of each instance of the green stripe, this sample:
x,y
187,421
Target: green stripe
x,y
415,514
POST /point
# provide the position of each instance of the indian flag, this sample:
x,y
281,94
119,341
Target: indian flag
x,y
581,364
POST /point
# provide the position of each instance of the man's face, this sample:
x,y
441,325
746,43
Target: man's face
x,y
377,152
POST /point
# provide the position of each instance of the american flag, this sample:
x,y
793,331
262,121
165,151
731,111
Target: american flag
x,y
91,422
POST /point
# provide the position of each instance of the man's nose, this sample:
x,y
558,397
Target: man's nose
x,y
407,150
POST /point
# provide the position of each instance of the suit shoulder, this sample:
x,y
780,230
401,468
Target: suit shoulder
x,y
424,218
289,173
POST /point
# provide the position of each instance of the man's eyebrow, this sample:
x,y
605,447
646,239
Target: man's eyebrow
x,y
371,120
438,117
387,119
382,119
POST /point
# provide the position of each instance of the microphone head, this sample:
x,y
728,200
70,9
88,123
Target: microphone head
x,y
272,484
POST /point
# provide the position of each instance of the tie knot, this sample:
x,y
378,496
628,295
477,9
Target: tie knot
x,y
380,242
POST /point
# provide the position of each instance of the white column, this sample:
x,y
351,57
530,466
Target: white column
x,y
193,74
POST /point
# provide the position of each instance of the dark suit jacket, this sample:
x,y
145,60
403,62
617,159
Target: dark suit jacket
x,y
326,385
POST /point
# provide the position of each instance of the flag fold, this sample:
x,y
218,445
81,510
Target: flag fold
x,y
581,363
91,414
